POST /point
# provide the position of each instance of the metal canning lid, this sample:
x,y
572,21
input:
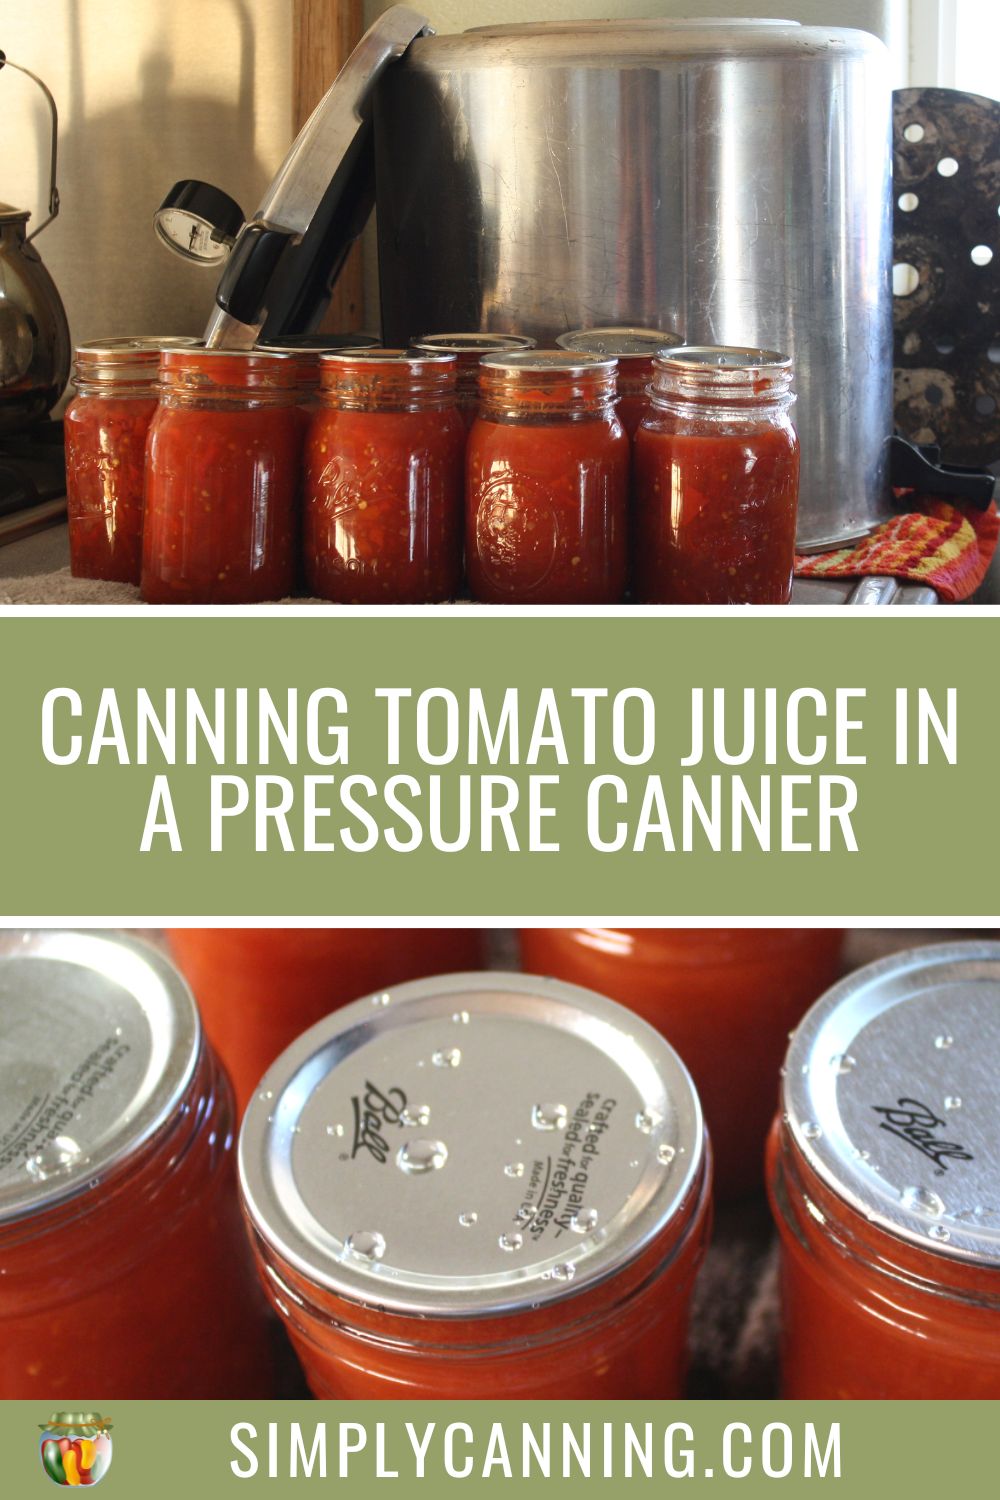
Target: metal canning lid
x,y
99,1040
472,343
555,361
724,357
891,1094
418,358
139,347
623,343
319,343
469,1145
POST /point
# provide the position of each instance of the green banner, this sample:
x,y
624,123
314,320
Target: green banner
x,y
205,1449
340,766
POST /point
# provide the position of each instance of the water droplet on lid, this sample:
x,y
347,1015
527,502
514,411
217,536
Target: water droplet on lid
x,y
417,1157
842,1062
366,1244
511,1241
419,1116
646,1121
265,1095
811,1130
514,1169
953,1102
469,1220
526,1213
860,1155
665,1154
564,1272
384,998
922,1201
447,1057
939,1232
583,1221
461,1018
943,1042
119,1031
58,1155
549,1116
335,1130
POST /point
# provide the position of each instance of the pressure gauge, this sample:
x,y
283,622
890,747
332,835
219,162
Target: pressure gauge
x,y
198,221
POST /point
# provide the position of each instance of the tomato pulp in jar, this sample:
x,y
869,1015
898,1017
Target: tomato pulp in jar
x,y
717,480
884,1176
105,429
726,998
125,1267
634,349
260,988
306,349
493,1187
222,479
383,480
547,482
468,349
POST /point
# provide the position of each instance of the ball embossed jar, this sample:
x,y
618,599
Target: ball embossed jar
x,y
123,1265
716,473
884,1176
491,1187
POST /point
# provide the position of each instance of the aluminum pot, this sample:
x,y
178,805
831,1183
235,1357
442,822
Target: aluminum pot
x,y
727,178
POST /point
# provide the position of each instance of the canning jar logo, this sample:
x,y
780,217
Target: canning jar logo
x,y
76,1447
373,1112
916,1124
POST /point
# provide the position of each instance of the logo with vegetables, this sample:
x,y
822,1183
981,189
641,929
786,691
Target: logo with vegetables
x,y
76,1447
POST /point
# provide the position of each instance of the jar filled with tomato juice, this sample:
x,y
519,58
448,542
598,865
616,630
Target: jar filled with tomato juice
x,y
634,349
222,478
123,1263
383,480
726,998
105,429
260,988
468,349
884,1176
492,1187
547,482
717,479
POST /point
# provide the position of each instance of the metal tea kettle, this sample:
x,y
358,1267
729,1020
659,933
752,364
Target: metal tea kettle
x,y
34,334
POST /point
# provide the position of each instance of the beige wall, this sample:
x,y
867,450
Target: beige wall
x,y
148,91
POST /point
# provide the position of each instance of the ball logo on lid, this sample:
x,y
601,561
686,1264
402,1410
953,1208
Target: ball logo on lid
x,y
374,1112
76,1447
915,1124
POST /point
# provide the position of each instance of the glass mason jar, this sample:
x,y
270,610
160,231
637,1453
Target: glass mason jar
x,y
634,349
717,480
884,1179
259,988
105,429
125,1267
468,349
307,349
222,479
383,480
553,1257
726,998
547,482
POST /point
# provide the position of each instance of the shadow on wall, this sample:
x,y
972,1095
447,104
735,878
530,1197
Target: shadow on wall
x,y
115,165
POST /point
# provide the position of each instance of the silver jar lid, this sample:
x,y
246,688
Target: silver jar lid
x,y
472,343
468,1145
99,1040
622,343
725,357
892,1094
549,361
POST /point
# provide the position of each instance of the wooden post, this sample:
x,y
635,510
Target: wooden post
x,y
324,34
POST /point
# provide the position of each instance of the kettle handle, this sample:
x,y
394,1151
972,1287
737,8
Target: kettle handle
x,y
5,62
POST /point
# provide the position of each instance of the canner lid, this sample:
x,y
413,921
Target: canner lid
x,y
467,1145
892,1094
99,1039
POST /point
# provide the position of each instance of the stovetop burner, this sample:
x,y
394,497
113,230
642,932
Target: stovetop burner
x,y
32,467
